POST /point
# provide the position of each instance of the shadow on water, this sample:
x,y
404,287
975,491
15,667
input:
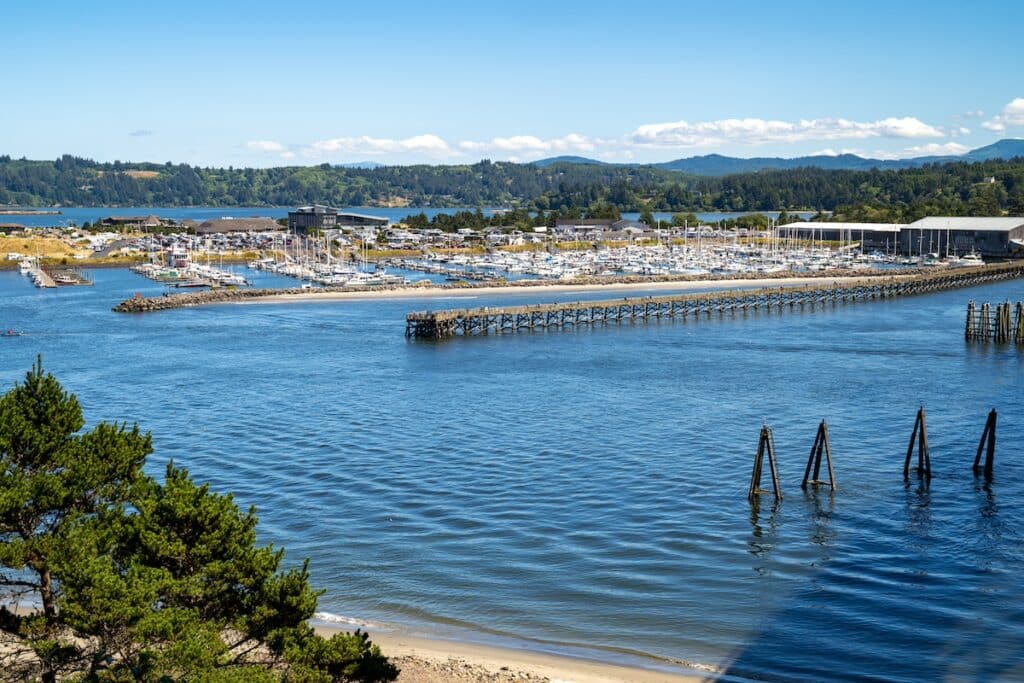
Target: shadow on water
x,y
816,632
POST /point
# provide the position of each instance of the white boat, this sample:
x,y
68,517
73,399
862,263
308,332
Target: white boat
x,y
969,260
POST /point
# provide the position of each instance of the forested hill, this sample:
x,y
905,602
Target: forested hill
x,y
986,187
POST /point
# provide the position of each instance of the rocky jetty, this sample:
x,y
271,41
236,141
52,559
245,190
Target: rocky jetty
x,y
141,304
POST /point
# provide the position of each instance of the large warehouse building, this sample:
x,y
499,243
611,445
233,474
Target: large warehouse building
x,y
964,234
993,237
881,236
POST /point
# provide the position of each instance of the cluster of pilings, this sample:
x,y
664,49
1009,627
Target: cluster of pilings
x,y
1004,324
822,448
481,321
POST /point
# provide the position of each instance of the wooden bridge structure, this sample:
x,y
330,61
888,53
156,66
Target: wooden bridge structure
x,y
502,320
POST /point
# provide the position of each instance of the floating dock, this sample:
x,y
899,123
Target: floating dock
x,y
41,278
503,320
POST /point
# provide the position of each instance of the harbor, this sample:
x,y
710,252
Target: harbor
x,y
51,278
662,445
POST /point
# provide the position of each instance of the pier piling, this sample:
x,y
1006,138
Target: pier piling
x,y
919,437
1005,325
988,444
765,446
821,447
702,306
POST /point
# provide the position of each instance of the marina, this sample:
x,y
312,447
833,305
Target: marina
x,y
51,278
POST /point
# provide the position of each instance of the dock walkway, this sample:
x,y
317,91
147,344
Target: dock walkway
x,y
503,320
41,278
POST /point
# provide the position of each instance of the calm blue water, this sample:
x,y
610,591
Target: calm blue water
x,y
588,488
80,215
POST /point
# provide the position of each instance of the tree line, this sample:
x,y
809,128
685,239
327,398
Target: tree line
x,y
958,188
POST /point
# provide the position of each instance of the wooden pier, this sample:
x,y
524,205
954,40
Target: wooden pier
x,y
503,320
1004,323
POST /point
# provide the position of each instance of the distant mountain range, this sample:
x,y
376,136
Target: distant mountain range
x,y
718,165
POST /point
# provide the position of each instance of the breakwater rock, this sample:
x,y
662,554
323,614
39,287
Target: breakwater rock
x,y
232,295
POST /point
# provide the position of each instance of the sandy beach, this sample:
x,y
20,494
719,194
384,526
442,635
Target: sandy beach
x,y
426,660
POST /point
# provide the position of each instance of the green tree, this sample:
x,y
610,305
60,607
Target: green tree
x,y
680,220
646,217
139,580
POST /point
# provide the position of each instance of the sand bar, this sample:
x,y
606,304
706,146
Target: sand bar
x,y
540,290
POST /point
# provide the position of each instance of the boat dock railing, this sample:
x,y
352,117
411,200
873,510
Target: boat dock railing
x,y
501,320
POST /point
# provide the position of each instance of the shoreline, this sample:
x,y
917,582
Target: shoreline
x,y
436,659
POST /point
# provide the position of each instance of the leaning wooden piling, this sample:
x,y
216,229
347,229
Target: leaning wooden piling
x,y
765,446
919,437
988,444
821,447
696,306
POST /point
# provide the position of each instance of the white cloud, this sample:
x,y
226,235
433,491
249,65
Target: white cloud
x,y
645,140
935,149
530,145
753,131
1011,115
266,146
365,145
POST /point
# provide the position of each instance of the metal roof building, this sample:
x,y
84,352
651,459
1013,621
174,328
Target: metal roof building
x,y
989,236
870,235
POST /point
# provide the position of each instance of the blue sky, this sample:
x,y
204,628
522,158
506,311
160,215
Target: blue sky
x,y
272,83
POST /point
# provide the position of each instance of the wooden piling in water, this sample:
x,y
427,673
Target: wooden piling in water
x,y
988,444
1005,325
821,447
765,446
919,437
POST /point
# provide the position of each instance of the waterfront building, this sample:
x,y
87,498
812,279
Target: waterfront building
x,y
320,217
881,236
583,226
996,236
133,222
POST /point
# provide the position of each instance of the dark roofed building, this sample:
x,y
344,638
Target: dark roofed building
x,y
132,222
319,217
226,225
316,217
583,224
